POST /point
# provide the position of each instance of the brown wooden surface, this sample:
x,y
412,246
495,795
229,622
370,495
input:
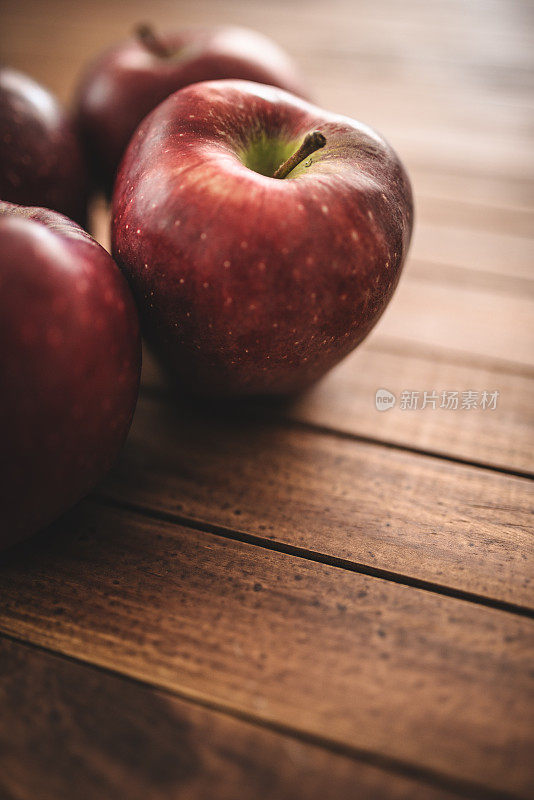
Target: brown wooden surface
x,y
94,726
305,646
344,403
336,497
312,599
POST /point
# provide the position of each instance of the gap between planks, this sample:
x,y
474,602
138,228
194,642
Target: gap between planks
x,y
186,748
427,518
432,778
162,394
167,641
307,554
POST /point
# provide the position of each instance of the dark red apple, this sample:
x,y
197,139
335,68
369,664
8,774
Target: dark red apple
x,y
249,283
69,366
41,160
129,80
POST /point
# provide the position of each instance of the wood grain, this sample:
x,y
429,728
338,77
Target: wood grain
x,y
469,320
344,401
492,251
382,668
66,725
423,518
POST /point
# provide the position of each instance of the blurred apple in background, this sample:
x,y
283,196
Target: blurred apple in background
x,y
131,79
263,237
41,161
69,366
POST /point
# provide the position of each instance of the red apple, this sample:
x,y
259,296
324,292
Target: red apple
x,y
69,366
249,283
129,80
41,160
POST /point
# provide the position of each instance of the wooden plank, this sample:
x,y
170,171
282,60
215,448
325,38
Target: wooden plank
x,y
64,725
460,277
469,320
479,250
492,252
483,191
344,402
436,207
364,663
422,518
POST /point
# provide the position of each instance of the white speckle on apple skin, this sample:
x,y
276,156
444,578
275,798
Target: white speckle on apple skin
x,y
261,266
354,235
244,245
226,264
324,209
203,236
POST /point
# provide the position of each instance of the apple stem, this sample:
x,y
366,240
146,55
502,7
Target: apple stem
x,y
150,39
312,142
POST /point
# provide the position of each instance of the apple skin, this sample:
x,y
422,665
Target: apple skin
x,y
249,285
41,158
70,358
125,83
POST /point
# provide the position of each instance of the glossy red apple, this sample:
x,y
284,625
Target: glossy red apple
x,y
69,366
129,80
248,283
41,160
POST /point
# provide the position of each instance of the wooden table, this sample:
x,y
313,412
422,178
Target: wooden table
x,y
318,600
